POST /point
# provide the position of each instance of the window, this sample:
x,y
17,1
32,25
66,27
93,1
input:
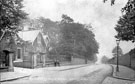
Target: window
x,y
19,53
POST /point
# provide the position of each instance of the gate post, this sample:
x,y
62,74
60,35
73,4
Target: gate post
x,y
11,67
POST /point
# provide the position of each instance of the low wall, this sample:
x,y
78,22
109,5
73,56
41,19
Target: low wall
x,y
24,64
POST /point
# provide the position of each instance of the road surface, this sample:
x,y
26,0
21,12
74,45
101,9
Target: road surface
x,y
89,74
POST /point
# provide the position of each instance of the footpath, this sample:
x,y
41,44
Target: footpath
x,y
78,74
20,73
124,73
9,76
124,76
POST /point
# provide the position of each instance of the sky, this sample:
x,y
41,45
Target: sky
x,y
102,16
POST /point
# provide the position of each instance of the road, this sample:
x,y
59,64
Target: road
x,y
89,74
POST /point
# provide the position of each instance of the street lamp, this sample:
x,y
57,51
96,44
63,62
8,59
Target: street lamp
x,y
118,42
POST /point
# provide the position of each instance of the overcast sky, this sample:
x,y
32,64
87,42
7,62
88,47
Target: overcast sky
x,y
102,16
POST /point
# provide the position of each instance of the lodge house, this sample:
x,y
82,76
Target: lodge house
x,y
32,52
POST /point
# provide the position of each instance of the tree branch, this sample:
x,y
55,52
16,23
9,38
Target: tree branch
x,y
2,35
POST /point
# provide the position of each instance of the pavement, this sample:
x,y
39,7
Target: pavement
x,y
124,73
124,76
83,74
75,74
9,76
95,77
20,73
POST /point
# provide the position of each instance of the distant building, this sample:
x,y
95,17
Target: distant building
x,y
32,52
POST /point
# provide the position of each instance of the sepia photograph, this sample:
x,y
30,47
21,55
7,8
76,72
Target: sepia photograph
x,y
67,41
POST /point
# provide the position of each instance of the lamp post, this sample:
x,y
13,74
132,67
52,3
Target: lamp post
x,y
134,50
117,67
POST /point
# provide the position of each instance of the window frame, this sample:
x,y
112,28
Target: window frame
x,y
21,58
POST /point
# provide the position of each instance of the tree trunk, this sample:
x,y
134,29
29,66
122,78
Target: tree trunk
x,y
130,62
2,35
86,61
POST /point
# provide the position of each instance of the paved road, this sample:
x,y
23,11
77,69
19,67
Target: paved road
x,y
96,77
90,74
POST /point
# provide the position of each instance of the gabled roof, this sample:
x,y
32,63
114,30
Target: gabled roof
x,y
29,35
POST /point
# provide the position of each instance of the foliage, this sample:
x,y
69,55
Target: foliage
x,y
126,24
76,40
112,1
129,7
114,51
10,17
11,14
66,19
31,24
67,38
125,27
104,59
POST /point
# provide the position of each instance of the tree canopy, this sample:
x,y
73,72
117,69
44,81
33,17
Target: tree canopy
x,y
76,39
10,16
67,38
112,1
126,24
125,28
114,51
66,19
104,59
129,5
